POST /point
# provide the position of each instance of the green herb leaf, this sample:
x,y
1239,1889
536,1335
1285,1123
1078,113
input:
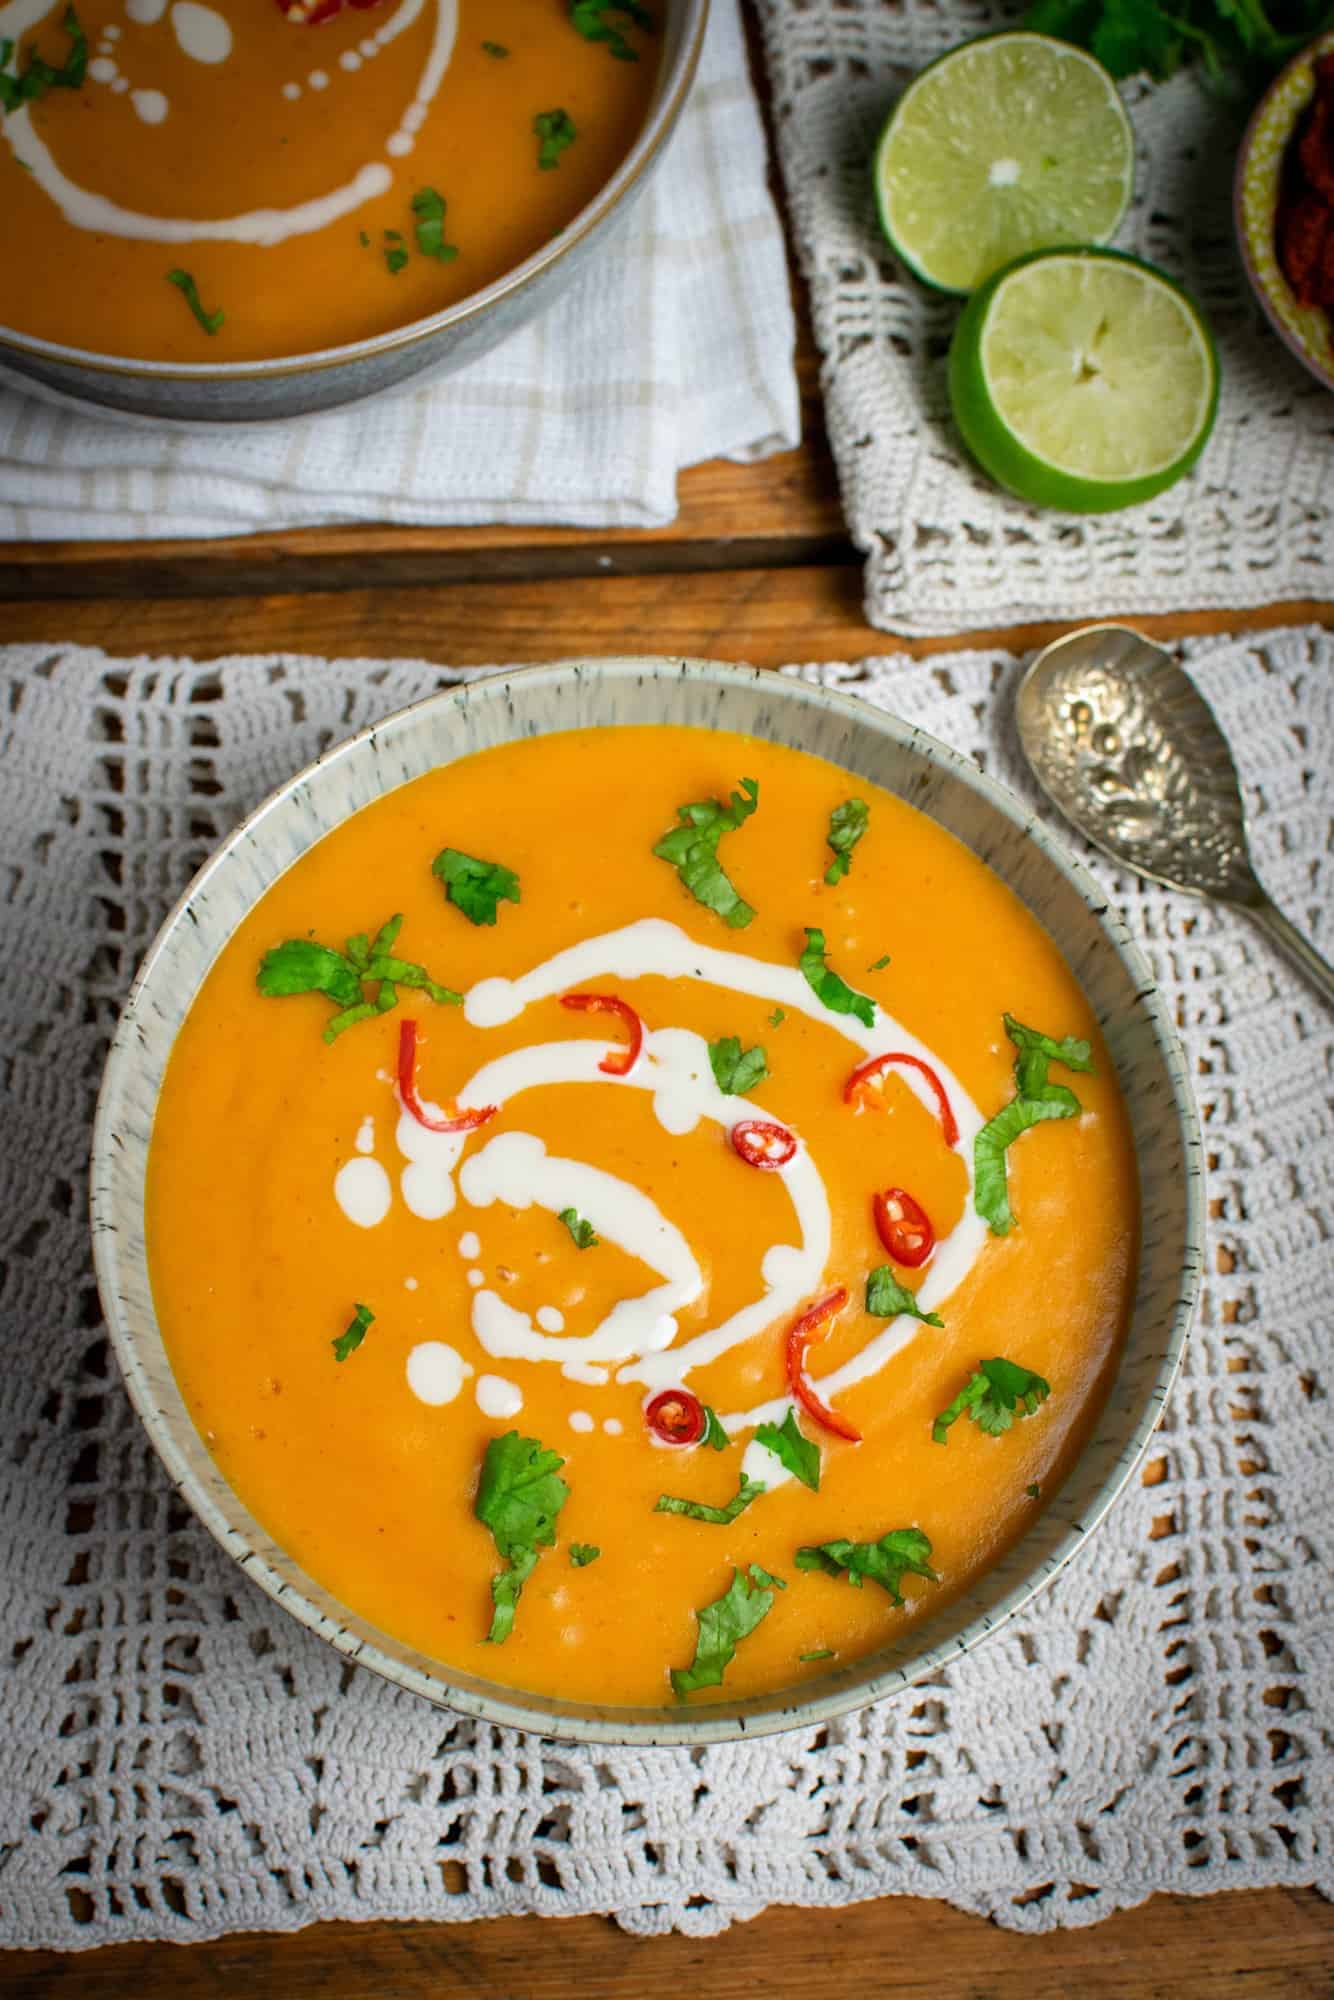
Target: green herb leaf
x,y
879,964
589,17
777,1018
583,1553
847,824
301,966
353,1334
506,1590
475,887
555,131
902,1552
1035,1101
363,239
826,985
715,1437
820,1653
999,1391
734,1072
519,1496
429,229
581,1231
723,1624
41,75
395,257
184,283
887,1298
718,1517
1034,1491
692,849
792,1448
496,49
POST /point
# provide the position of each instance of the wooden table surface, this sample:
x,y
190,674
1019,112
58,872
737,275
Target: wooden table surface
x,y
757,566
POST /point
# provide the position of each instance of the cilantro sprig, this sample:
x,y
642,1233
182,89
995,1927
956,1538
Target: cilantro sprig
x,y
745,1603
581,1231
350,1339
428,207
692,849
27,85
519,1497
902,1552
475,887
715,1437
825,984
584,1553
185,284
1035,1101
718,1517
555,131
590,18
997,1393
299,965
1244,36
847,824
887,1298
792,1448
736,1071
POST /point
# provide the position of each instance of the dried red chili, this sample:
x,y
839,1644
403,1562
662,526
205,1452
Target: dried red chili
x,y
452,1121
1304,223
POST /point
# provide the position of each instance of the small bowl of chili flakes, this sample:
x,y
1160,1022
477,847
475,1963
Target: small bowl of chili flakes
x,y
1283,201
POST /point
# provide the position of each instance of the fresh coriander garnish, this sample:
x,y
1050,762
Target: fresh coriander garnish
x,y
555,131
692,849
826,985
496,49
777,1018
734,1072
715,1437
302,966
40,75
723,1624
363,239
429,229
353,1334
395,252
887,1298
718,1517
820,1653
590,19
847,824
581,1231
1034,1491
584,1553
475,887
994,1396
1035,1100
903,1551
518,1498
185,284
879,964
792,1448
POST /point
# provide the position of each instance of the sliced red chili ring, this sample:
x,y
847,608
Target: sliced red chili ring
x,y
761,1143
453,1120
676,1417
800,1334
310,13
619,1062
903,1226
860,1087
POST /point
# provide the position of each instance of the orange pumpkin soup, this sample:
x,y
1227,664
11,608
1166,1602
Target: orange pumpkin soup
x,y
637,1171
220,182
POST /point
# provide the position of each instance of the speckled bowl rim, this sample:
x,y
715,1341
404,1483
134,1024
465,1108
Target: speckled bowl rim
x,y
1254,220
119,1249
677,74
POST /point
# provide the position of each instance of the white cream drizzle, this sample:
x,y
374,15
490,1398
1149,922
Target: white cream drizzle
x,y
436,1372
201,32
470,1245
363,1192
498,1398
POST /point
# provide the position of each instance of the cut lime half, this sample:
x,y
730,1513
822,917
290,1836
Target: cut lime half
x,y
1083,379
1011,143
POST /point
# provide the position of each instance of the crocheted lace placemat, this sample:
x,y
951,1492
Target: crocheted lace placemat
x,y
180,1759
946,550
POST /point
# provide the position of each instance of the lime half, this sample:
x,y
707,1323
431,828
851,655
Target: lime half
x,y
1011,143
1083,379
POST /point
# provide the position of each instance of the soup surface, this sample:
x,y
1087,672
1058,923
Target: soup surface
x,y
316,183
443,1366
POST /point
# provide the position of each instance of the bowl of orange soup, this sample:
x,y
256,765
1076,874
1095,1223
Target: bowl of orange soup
x,y
240,209
647,1201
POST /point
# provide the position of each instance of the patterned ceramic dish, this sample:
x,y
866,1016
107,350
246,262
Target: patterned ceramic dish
x,y
1306,330
579,694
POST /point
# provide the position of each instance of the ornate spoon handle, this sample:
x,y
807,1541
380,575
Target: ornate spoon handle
x,y
1294,946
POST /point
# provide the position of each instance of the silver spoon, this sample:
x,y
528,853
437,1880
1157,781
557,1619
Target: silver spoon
x,y
1122,741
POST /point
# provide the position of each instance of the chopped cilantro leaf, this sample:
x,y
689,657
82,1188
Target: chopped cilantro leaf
x,y
555,131
1034,1491
589,17
692,849
584,1553
820,1653
581,1231
353,1334
41,75
185,284
519,1496
999,1391
777,1018
826,985
475,887
301,966
715,1437
847,824
792,1448
496,49
1034,1102
734,1072
879,964
718,1517
429,229
903,1551
395,257
723,1624
887,1298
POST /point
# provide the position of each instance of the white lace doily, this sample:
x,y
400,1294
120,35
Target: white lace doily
x,y
946,550
179,1759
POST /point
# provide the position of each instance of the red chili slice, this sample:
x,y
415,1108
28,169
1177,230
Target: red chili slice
x,y
621,1061
903,1226
860,1087
453,1121
800,1334
312,13
761,1143
676,1417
